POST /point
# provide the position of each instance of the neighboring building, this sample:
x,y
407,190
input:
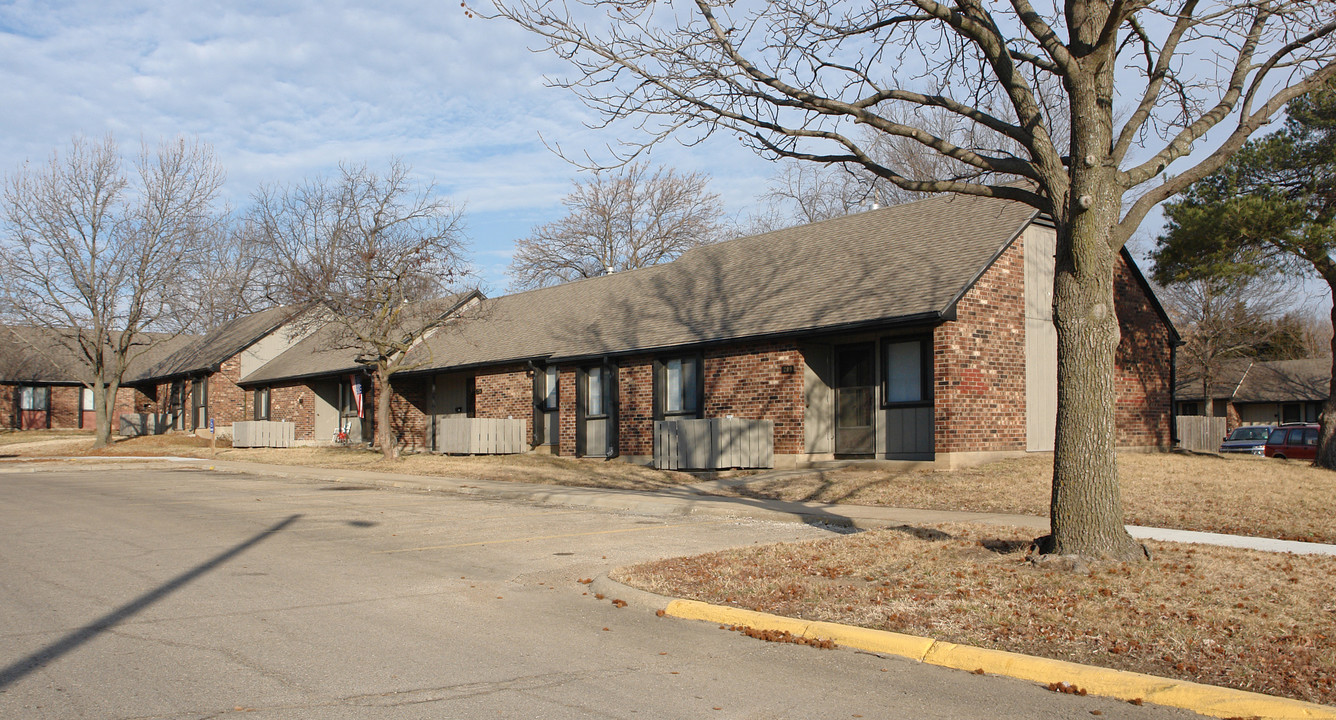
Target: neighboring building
x,y
1248,392
199,382
42,387
318,385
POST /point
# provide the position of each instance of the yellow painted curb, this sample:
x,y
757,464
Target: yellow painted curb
x,y
1121,684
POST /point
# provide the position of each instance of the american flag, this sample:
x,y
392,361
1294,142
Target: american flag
x,y
357,393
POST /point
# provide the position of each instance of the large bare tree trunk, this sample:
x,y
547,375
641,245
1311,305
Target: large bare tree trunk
x,y
1086,511
389,447
104,407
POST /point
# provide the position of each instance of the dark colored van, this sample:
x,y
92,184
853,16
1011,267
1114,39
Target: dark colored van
x,y
1297,441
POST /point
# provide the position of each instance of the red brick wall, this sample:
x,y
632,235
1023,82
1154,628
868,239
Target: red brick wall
x,y
64,406
743,381
294,403
163,395
635,406
227,401
8,406
157,402
566,412
142,401
409,421
979,363
746,382
127,400
1142,412
505,392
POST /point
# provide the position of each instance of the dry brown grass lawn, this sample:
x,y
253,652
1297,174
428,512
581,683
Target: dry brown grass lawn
x,y
28,438
1285,499
1251,620
545,469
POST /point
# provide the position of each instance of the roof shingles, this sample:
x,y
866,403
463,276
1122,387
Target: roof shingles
x,y
904,261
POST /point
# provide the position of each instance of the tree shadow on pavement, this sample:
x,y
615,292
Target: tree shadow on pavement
x,y
36,660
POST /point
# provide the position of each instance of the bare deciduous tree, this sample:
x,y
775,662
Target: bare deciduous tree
x,y
93,253
805,192
1221,319
1136,85
623,220
377,255
223,279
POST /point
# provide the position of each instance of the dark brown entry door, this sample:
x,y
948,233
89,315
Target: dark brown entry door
x,y
854,399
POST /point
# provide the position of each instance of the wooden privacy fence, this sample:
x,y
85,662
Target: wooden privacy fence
x,y
136,424
263,433
481,436
714,444
1200,433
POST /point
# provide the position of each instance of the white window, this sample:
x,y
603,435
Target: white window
x,y
594,406
33,398
550,401
262,404
86,399
681,378
906,372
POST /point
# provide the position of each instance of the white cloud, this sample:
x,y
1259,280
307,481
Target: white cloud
x,y
285,90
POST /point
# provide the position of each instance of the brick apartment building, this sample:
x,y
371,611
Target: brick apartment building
x,y
916,332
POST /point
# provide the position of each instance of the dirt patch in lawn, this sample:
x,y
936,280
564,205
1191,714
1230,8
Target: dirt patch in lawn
x,y
1286,499
534,468
1256,621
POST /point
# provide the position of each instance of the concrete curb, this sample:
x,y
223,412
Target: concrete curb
x,y
1121,684
613,590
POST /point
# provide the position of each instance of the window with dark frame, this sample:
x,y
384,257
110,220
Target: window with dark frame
x,y
262,404
906,372
678,389
551,398
199,402
34,398
595,401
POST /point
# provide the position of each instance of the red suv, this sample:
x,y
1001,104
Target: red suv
x,y
1297,441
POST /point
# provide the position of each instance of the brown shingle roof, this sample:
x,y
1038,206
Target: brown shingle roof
x,y
1187,379
1286,381
208,351
322,353
1248,381
901,262
316,354
46,355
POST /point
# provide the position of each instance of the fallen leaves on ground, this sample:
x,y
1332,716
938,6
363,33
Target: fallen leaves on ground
x,y
782,636
1257,621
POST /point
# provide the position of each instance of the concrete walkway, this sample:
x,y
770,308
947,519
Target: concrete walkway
x,y
694,500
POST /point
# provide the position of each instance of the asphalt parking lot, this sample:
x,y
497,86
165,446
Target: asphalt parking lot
x,y
162,592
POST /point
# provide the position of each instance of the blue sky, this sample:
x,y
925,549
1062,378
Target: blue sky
x,y
285,89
